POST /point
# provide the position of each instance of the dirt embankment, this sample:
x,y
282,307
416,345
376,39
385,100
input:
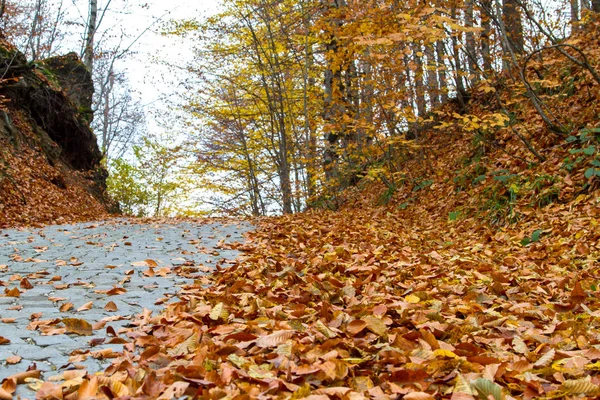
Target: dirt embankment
x,y
50,163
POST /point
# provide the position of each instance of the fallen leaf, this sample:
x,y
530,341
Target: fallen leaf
x,y
86,306
78,326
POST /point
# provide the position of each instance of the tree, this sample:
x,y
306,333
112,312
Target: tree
x,y
154,182
88,52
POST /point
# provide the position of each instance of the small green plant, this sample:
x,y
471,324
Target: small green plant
x,y
422,185
454,215
545,190
387,195
586,153
502,197
535,237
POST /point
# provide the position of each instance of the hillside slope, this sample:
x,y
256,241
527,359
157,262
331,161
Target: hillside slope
x,y
50,168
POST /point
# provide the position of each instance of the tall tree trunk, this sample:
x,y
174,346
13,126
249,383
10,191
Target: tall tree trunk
x,y
470,44
419,82
2,8
574,15
458,79
88,53
440,50
511,16
333,104
486,32
596,5
432,78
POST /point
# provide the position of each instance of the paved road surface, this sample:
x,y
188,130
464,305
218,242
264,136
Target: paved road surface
x,y
81,263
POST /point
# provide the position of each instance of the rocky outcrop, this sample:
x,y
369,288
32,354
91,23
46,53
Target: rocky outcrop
x,y
48,152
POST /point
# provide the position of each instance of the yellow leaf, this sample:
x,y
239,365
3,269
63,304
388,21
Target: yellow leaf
x,y
411,298
375,325
444,353
218,311
580,386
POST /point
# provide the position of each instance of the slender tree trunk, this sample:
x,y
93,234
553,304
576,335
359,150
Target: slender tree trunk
x,y
596,5
432,78
35,33
2,8
419,82
333,91
511,16
88,53
440,50
458,68
574,15
470,44
486,33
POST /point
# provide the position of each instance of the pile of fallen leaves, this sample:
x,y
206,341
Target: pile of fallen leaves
x,y
376,303
33,191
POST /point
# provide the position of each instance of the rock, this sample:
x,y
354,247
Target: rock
x,y
75,79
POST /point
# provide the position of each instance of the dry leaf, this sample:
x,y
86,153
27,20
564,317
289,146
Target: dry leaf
x,y
86,306
78,326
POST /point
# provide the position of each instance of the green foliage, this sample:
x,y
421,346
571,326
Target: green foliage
x,y
454,215
125,186
152,183
502,197
535,237
585,153
470,176
388,194
423,184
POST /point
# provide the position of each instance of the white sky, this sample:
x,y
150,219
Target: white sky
x,y
154,83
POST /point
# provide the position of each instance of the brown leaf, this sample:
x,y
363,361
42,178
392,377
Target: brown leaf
x,y
116,291
21,376
25,284
4,340
86,306
14,359
356,326
78,326
14,292
66,307
274,339
578,295
111,306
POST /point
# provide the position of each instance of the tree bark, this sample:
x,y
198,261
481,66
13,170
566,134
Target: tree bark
x,y
513,24
574,14
486,31
470,44
88,53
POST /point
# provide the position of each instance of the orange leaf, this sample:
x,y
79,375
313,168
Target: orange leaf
x,y
25,284
15,359
110,306
88,389
356,326
86,306
65,307
14,292
274,339
78,326
21,376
